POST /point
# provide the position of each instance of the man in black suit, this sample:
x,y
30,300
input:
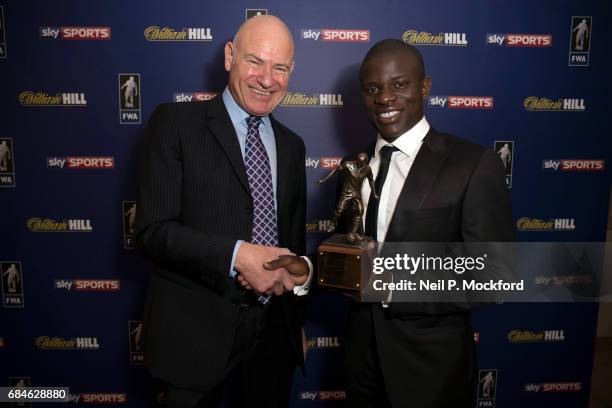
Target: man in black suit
x,y
433,187
222,191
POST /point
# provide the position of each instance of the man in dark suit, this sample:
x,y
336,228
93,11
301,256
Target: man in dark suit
x,y
222,191
432,187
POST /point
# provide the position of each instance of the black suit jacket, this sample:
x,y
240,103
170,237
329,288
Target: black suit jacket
x,y
194,203
455,192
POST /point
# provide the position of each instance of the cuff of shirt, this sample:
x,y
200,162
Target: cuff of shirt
x,y
232,272
303,290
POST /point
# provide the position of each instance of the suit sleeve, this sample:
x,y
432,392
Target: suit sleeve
x,y
160,235
487,214
298,225
298,222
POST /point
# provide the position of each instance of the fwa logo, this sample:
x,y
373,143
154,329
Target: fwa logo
x,y
129,98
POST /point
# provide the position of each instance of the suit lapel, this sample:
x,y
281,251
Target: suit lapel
x,y
423,173
283,163
220,125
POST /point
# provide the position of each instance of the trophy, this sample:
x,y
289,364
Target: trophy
x,y
345,260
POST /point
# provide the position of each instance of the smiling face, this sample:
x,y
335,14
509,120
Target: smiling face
x,y
393,89
259,62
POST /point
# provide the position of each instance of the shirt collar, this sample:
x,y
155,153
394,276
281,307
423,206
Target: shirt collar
x,y
409,142
238,115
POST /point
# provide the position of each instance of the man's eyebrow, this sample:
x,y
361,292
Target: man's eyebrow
x,y
282,65
254,57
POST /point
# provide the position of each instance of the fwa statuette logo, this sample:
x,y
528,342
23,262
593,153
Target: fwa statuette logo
x,y
580,41
250,13
12,284
487,387
20,383
2,34
7,164
505,151
135,337
129,99
129,220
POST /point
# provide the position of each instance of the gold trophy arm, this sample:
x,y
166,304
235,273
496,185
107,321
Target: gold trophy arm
x,y
331,173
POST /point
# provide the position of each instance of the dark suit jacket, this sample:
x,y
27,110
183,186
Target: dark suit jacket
x,y
455,192
194,203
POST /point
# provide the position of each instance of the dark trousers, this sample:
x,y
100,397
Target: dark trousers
x,y
409,361
260,369
366,385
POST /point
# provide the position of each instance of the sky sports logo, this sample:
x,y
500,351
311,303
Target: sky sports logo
x,y
193,96
75,33
88,285
520,40
328,395
97,398
573,165
554,387
461,102
81,162
335,35
323,162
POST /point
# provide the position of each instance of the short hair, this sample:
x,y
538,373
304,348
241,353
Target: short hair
x,y
395,47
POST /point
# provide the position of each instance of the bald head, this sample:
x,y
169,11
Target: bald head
x,y
394,48
264,26
259,61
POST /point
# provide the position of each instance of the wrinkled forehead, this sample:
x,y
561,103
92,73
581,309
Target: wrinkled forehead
x,y
265,36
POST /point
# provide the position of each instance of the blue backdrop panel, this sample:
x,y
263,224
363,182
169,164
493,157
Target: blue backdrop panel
x,y
503,73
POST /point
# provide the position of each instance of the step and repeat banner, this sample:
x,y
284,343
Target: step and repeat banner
x,y
80,80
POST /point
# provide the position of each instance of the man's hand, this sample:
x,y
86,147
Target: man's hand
x,y
296,266
249,263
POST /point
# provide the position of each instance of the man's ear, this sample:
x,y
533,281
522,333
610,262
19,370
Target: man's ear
x,y
229,52
425,87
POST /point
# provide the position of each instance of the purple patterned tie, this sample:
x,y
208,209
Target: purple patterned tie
x,y
260,182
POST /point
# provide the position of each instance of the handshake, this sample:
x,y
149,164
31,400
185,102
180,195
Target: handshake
x,y
268,270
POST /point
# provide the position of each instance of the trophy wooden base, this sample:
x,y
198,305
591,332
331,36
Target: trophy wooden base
x,y
344,265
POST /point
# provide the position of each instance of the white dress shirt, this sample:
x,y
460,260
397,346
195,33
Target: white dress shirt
x,y
401,161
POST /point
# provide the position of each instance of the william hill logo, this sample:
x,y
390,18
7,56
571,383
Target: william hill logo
x,y
526,336
534,103
323,342
155,33
315,100
29,98
536,224
318,226
58,343
414,37
49,225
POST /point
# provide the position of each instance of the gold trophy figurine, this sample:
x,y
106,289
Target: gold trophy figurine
x,y
345,260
